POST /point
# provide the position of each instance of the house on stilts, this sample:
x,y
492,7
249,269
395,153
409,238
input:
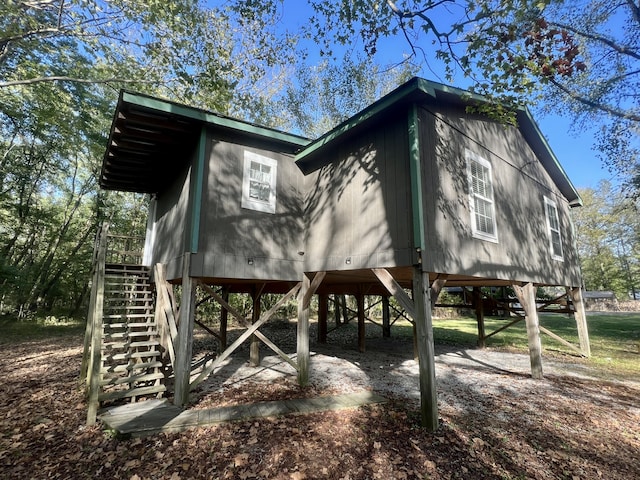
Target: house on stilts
x,y
414,193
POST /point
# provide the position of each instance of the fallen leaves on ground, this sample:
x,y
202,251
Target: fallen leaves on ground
x,y
584,429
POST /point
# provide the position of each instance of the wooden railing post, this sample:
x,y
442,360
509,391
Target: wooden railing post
x,y
94,365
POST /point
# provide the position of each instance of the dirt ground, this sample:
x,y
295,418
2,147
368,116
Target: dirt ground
x,y
495,421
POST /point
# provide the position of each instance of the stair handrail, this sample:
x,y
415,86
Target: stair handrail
x,y
93,333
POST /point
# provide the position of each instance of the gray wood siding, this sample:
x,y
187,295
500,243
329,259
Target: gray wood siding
x,y
172,222
358,209
231,235
520,184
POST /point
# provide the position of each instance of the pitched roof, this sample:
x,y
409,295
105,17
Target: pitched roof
x,y
419,89
151,139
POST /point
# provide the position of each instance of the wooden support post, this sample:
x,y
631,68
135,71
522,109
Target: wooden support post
x,y
426,349
479,307
94,361
336,309
303,333
345,310
436,287
580,316
224,319
184,340
323,311
386,317
361,322
254,349
527,296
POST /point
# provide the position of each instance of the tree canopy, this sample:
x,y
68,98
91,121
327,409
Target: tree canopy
x,y
581,57
63,61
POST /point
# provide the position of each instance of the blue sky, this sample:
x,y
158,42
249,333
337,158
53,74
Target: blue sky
x,y
572,148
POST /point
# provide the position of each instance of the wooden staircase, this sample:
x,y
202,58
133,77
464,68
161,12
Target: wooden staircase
x,y
131,363
124,359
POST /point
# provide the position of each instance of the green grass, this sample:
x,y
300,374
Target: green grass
x,y
614,338
15,331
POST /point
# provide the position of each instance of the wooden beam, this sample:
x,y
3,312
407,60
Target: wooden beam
x,y
580,316
94,361
479,307
184,343
302,339
561,340
361,323
386,317
436,287
527,296
254,348
224,319
213,364
315,283
396,290
164,313
243,321
426,349
323,313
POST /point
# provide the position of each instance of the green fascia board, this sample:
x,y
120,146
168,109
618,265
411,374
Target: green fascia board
x,y
211,118
419,233
419,88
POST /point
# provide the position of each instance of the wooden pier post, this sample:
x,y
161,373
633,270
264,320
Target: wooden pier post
x,y
361,323
479,307
426,351
184,340
323,313
386,317
580,316
303,333
527,296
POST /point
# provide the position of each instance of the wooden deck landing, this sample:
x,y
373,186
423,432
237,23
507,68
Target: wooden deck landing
x,y
155,416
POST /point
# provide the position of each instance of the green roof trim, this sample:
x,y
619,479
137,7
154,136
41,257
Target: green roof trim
x,y
418,89
419,240
211,118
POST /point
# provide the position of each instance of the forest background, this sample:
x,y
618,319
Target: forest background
x,y
63,62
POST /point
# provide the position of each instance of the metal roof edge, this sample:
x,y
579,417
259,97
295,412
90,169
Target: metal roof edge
x,y
421,86
401,93
210,118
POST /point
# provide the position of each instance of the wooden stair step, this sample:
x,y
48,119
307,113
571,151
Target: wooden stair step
x,y
117,357
130,295
131,367
114,326
112,336
144,377
134,392
120,345
129,307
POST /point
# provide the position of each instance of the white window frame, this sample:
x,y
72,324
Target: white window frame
x,y
249,202
470,157
548,203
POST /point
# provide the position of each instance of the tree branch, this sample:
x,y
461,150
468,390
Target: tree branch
x,y
622,49
595,105
30,81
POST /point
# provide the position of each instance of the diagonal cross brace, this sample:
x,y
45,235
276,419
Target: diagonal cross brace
x,y
246,324
253,329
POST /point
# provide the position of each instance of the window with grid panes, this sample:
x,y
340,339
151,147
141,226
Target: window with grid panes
x,y
553,227
483,218
259,182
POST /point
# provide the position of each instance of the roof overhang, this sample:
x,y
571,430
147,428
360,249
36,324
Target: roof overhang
x,y
311,157
152,139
